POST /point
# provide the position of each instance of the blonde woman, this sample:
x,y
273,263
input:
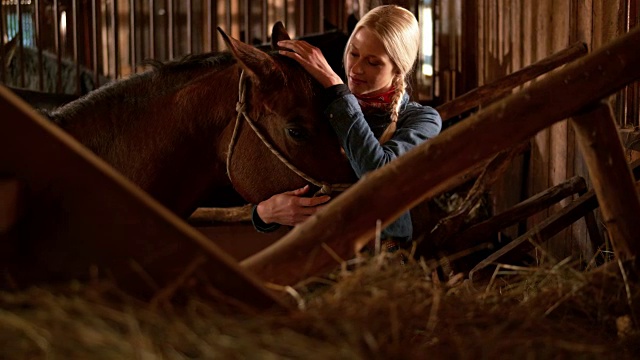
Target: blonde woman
x,y
371,113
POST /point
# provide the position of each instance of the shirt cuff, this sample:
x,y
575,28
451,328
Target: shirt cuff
x,y
334,92
260,225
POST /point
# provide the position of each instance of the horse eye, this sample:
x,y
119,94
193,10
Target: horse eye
x,y
297,133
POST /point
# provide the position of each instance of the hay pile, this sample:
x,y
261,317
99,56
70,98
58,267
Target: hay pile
x,y
388,307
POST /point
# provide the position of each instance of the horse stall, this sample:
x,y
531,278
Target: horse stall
x,y
527,210
56,51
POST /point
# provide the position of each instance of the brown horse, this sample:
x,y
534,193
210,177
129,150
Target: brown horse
x,y
169,130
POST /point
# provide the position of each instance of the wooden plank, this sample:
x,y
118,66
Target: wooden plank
x,y
521,211
540,152
516,249
582,32
561,244
342,227
550,226
83,214
505,84
612,180
209,216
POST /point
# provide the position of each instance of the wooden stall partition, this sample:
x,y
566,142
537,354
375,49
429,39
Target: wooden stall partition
x,y
515,34
79,214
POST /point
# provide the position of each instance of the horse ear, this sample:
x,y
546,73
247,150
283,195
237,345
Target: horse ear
x,y
279,33
250,58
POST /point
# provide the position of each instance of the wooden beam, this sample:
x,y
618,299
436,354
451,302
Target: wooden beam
x,y
348,222
612,180
504,85
212,216
583,206
521,211
82,214
550,226
452,224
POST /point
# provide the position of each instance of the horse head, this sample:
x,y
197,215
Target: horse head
x,y
284,104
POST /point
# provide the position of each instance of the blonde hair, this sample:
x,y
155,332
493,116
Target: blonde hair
x,y
398,30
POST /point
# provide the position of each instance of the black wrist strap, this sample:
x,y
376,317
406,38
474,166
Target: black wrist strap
x,y
260,225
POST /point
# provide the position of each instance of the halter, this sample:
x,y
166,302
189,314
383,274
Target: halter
x,y
325,188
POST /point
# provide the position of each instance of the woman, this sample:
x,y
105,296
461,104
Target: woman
x,y
372,114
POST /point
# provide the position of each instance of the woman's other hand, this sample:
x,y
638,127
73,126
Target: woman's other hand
x,y
312,60
289,208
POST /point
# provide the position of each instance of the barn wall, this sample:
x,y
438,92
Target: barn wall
x,y
512,34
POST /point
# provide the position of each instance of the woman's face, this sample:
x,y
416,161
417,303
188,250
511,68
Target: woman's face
x,y
369,68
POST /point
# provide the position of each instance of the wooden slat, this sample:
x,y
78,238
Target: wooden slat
x,y
558,146
582,206
540,153
83,213
540,233
343,226
506,84
583,32
521,211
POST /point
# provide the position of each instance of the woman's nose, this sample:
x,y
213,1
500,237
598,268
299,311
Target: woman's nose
x,y
357,68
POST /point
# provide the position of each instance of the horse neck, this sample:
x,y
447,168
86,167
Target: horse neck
x,y
160,138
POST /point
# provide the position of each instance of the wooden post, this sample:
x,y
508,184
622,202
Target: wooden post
x,y
612,180
348,221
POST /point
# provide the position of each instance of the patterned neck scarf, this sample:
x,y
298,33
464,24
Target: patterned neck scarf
x,y
379,101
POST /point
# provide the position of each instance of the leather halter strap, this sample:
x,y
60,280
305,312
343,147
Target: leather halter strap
x,y
325,188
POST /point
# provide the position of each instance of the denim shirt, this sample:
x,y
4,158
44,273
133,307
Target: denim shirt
x,y
358,134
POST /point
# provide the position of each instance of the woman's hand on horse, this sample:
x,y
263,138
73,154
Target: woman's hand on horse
x,y
289,208
312,60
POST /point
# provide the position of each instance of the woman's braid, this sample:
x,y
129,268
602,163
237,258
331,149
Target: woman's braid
x,y
396,102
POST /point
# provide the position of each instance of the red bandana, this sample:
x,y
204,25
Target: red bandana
x,y
376,101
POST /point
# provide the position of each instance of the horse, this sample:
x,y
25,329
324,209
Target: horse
x,y
28,62
184,130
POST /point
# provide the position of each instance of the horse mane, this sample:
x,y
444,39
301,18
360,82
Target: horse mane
x,y
162,78
191,62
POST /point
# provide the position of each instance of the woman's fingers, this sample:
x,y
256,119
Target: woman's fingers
x,y
296,45
312,60
297,192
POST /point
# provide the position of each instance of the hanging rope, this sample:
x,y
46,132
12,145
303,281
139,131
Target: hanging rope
x,y
325,188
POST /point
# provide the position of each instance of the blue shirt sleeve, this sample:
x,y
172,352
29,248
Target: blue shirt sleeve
x,y
416,124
